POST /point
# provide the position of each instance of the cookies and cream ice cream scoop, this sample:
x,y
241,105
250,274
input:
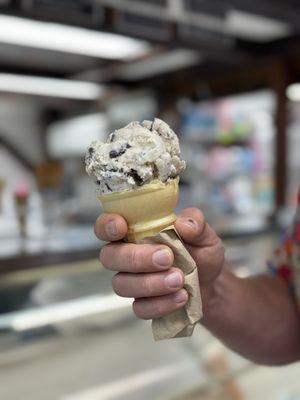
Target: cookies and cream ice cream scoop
x,y
134,156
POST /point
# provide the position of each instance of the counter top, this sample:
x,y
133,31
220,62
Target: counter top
x,y
61,245
21,261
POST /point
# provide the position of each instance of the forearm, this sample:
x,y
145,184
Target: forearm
x,y
256,317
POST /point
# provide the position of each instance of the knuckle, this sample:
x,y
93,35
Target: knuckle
x,y
134,259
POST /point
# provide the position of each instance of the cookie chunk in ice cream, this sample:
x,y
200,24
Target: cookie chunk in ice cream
x,y
133,156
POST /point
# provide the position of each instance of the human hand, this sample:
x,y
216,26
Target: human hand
x,y
145,271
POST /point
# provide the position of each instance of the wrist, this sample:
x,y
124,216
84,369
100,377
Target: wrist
x,y
214,298
210,297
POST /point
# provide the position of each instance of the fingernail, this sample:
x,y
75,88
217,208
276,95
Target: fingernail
x,y
190,222
111,228
180,296
162,258
173,280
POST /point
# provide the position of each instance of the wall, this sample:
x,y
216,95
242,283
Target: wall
x,y
20,125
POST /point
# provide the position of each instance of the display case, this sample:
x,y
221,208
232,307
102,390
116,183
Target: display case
x,y
228,145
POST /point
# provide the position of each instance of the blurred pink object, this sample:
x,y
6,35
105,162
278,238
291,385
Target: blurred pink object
x,y
21,189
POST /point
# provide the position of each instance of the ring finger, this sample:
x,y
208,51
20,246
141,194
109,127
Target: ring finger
x,y
148,285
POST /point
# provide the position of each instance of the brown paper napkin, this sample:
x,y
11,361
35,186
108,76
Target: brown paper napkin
x,y
180,323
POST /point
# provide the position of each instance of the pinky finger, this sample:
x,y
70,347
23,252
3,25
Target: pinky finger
x,y
155,307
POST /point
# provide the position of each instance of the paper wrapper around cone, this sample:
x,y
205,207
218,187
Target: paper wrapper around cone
x,y
148,211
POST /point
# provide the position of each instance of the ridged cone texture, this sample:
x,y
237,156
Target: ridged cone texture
x,y
147,209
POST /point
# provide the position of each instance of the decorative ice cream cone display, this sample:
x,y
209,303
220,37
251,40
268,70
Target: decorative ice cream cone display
x,y
136,173
21,195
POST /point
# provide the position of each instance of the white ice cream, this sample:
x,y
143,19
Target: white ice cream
x,y
133,156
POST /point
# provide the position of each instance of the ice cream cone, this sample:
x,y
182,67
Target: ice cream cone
x,y
147,209
21,195
148,150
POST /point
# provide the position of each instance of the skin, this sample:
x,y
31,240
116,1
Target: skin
x,y
256,317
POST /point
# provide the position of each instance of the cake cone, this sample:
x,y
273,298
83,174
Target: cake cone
x,y
147,209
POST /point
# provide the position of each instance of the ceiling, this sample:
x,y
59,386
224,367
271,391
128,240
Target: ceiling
x,y
182,34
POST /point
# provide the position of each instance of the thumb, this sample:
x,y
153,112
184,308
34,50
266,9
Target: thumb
x,y
194,230
202,242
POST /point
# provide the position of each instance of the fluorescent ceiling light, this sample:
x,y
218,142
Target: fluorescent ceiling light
x,y
255,27
168,62
58,37
293,92
48,87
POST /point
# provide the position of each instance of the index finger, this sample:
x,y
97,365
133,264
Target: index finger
x,y
110,227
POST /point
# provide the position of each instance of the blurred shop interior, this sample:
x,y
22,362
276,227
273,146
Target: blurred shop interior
x,y
226,76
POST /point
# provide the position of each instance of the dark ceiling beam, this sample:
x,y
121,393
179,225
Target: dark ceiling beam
x,y
207,81
279,10
30,70
51,14
285,46
232,81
